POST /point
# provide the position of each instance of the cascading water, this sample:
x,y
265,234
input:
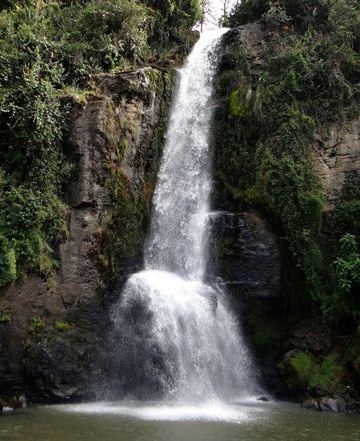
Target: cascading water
x,y
175,336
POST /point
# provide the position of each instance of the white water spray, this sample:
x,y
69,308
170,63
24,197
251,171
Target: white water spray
x,y
176,337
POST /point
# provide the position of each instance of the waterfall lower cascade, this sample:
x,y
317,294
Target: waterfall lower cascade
x,y
175,337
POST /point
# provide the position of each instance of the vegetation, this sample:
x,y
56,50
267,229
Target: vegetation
x,y
50,50
308,78
5,318
306,372
36,326
275,98
302,364
172,21
62,326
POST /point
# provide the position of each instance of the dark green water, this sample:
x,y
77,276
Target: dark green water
x,y
120,422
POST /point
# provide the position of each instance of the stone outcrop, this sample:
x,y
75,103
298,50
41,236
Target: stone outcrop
x,y
325,404
245,253
245,256
336,155
51,343
249,37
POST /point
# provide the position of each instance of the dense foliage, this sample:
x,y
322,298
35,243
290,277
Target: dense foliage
x,y
49,49
172,21
309,78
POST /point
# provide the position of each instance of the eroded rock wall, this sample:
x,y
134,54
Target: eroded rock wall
x,y
336,156
52,336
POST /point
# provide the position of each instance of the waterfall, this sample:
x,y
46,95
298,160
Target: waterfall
x,y
175,336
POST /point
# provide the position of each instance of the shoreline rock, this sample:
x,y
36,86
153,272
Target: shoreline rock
x,y
326,404
8,405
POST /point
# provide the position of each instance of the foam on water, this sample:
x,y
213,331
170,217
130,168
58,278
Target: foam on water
x,y
212,411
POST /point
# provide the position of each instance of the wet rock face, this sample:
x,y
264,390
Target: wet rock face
x,y
117,133
335,156
244,253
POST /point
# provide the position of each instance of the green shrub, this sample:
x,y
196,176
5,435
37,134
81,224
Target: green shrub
x,y
302,364
36,326
31,222
237,106
173,21
7,262
5,318
248,11
327,375
303,13
306,372
276,17
62,326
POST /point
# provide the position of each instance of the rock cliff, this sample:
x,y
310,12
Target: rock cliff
x,y
253,251
52,332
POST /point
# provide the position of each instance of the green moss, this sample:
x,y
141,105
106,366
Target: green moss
x,y
237,108
62,326
36,326
51,282
327,375
79,96
123,239
302,364
5,318
304,371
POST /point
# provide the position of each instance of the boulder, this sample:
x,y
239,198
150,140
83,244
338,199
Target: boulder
x,y
325,404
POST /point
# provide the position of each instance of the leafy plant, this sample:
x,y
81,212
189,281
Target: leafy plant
x,y
276,17
248,10
62,326
344,299
5,318
327,375
306,371
36,326
303,364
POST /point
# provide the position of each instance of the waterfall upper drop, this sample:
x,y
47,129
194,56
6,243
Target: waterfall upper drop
x,y
174,335
177,240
